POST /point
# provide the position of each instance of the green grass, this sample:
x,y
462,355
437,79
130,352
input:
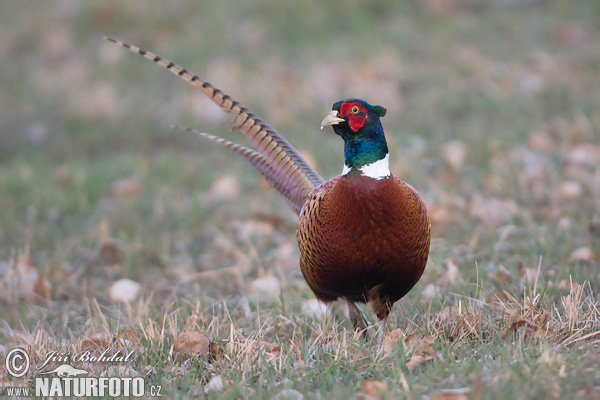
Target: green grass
x,y
516,86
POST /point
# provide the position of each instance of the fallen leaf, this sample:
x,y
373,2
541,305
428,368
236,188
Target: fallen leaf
x,y
428,293
63,175
273,353
492,211
391,342
374,388
454,153
215,351
582,254
128,339
288,394
498,296
424,352
194,344
314,308
584,154
99,341
109,253
267,287
527,275
411,341
361,359
541,141
450,276
568,191
214,385
42,287
126,189
124,291
503,275
253,228
570,35
451,394
25,280
441,216
120,371
224,188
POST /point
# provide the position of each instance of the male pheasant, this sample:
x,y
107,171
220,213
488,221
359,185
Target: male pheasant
x,y
363,235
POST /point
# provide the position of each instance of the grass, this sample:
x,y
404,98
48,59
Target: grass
x,y
491,115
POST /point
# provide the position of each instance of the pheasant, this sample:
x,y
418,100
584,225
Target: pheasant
x,y
363,235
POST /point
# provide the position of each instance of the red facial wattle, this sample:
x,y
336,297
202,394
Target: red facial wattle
x,y
356,114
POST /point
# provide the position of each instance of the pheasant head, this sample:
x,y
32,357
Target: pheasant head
x,y
365,148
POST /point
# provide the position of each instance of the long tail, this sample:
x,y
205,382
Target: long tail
x,y
275,158
254,158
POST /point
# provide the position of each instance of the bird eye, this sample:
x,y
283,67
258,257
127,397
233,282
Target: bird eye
x,y
355,110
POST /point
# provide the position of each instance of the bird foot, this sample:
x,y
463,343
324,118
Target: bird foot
x,y
358,319
380,331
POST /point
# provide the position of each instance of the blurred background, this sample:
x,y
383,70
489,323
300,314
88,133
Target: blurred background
x,y
492,115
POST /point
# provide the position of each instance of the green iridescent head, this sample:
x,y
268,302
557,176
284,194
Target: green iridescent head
x,y
357,122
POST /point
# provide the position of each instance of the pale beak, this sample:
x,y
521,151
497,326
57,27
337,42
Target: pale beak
x,y
331,119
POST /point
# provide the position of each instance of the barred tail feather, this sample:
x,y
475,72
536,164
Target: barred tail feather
x,y
292,172
254,158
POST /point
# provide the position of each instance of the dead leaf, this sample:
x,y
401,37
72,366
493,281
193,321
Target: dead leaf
x,y
124,291
361,359
568,191
224,188
492,211
120,371
126,189
374,388
498,296
451,394
273,353
253,228
194,344
527,275
411,341
314,308
267,287
214,385
128,339
454,153
26,281
425,352
96,341
582,254
429,293
503,275
441,216
42,287
288,394
215,351
109,253
584,154
63,175
541,141
570,35
450,276
392,341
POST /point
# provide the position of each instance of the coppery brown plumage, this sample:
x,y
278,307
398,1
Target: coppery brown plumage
x,y
364,240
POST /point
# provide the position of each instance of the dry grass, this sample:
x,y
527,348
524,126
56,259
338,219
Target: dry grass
x,y
117,232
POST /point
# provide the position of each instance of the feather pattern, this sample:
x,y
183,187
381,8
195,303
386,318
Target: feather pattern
x,y
275,157
254,158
